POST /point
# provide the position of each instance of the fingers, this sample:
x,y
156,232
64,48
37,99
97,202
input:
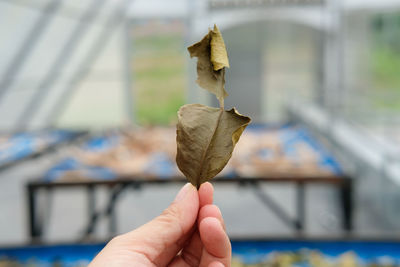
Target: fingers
x,y
206,192
211,211
217,247
162,238
216,250
191,254
159,241
201,251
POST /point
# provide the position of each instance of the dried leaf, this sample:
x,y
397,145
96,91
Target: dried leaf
x,y
212,58
206,138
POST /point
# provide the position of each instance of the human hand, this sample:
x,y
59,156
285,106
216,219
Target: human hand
x,y
190,232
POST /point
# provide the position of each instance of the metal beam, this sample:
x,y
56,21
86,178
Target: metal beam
x,y
62,102
27,46
69,12
127,58
62,59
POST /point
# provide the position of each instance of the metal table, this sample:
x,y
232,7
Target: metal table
x,y
119,185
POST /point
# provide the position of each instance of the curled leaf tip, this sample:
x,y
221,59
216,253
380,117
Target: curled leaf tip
x,y
219,56
212,59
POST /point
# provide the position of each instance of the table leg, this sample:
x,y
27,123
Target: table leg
x,y
91,206
110,211
36,215
300,204
346,191
112,223
32,212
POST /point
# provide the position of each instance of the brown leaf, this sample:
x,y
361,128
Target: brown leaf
x,y
219,56
211,63
206,138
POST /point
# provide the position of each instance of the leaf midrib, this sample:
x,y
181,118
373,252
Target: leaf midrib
x,y
203,157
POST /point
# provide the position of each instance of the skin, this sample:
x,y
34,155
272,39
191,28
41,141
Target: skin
x,y
190,232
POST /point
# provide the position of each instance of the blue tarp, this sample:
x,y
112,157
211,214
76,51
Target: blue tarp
x,y
248,251
95,144
256,251
22,145
292,136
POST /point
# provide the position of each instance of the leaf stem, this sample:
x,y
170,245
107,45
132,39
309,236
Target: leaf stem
x,y
221,102
220,87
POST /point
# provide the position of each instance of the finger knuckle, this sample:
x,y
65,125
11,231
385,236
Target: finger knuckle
x,y
171,215
171,219
116,239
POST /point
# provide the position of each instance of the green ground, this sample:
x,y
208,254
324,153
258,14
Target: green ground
x,y
385,61
159,78
386,77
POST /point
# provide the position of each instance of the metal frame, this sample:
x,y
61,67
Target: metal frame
x,y
121,184
27,46
41,91
62,102
344,140
127,58
62,59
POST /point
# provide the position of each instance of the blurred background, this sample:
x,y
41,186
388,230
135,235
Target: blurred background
x,y
89,92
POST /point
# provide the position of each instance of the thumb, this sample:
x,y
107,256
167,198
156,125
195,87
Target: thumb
x,y
162,238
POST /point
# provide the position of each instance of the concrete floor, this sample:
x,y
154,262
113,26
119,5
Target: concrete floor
x,y
245,216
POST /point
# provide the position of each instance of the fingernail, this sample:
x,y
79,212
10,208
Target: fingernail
x,y
216,264
183,192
